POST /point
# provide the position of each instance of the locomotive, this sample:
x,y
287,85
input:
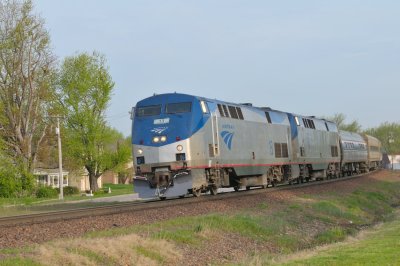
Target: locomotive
x,y
184,144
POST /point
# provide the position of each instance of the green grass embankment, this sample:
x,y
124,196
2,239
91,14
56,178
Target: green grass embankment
x,y
377,246
271,234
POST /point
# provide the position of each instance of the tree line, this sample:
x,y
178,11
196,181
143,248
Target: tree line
x,y
35,88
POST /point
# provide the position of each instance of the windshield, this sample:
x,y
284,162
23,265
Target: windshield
x,y
174,108
148,110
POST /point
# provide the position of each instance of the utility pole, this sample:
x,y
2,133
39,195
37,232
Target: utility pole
x,y
60,174
391,141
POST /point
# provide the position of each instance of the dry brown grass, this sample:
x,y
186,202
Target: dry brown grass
x,y
124,250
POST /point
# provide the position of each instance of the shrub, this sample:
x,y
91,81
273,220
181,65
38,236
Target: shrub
x,y
69,190
10,181
46,192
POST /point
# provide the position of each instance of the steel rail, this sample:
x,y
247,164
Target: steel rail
x,y
125,207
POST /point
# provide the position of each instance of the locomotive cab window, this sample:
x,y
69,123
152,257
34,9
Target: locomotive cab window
x,y
148,110
177,108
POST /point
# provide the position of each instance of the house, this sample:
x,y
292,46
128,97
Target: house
x,y
50,177
394,162
80,179
123,178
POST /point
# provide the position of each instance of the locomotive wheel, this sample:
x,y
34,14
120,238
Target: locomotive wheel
x,y
181,196
163,198
236,188
247,188
213,190
196,192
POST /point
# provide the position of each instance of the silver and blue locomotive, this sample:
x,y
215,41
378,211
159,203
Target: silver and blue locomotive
x,y
184,144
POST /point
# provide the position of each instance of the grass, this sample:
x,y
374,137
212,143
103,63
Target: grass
x,y
379,246
19,261
29,205
129,249
295,226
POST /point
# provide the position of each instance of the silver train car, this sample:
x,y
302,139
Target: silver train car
x,y
184,144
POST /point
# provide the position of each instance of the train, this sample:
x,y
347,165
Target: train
x,y
189,145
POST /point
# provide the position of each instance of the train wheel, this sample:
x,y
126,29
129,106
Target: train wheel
x,y
196,192
247,188
236,188
213,190
163,198
181,196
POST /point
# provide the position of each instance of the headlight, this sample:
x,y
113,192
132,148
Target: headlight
x,y
179,148
163,138
156,139
139,151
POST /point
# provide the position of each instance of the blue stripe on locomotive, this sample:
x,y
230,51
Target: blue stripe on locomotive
x,y
182,125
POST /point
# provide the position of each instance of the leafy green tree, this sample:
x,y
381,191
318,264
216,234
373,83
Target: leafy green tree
x,y
389,135
27,68
339,119
84,92
122,157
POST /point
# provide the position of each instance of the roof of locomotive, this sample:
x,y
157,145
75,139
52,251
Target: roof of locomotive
x,y
175,97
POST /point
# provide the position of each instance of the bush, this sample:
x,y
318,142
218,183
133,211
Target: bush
x,y
10,181
69,190
46,192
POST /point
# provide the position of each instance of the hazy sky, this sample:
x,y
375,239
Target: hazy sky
x,y
307,57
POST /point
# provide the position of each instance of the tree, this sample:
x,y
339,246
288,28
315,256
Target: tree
x,y
339,119
389,135
27,68
84,92
122,157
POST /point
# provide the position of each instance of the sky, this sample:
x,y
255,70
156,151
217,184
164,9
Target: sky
x,y
306,57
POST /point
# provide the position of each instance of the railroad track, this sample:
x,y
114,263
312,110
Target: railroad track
x,y
54,216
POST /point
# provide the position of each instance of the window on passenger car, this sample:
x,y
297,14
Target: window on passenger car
x,y
148,110
176,108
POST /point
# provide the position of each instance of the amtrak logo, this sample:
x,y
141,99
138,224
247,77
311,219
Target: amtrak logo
x,y
227,137
159,130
